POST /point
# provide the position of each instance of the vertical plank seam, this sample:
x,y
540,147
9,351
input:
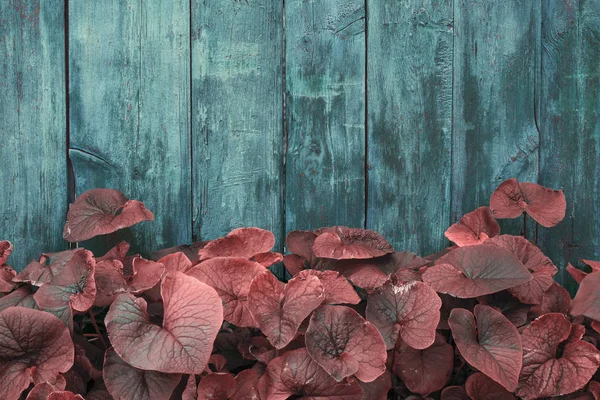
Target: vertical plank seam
x,y
451,215
71,184
366,118
537,100
191,122
284,128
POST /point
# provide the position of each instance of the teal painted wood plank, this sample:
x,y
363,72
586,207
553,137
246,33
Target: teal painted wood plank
x,y
237,114
325,113
33,167
570,127
495,71
130,109
409,69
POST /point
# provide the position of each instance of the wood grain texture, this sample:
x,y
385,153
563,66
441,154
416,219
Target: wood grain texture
x,y
495,71
325,113
130,109
237,116
570,127
409,62
33,168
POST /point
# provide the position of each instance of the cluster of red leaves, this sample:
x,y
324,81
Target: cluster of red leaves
x,y
482,319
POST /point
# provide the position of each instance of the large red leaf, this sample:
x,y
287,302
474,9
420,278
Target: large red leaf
x,y
481,387
35,346
424,371
587,299
101,211
296,374
337,288
544,205
192,317
547,373
555,300
492,345
246,386
343,243
473,228
231,278
476,271
22,297
49,265
241,242
125,382
408,310
176,262
294,264
216,386
344,344
541,267
279,309
74,285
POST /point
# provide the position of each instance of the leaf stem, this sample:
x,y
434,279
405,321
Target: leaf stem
x,y
525,225
97,329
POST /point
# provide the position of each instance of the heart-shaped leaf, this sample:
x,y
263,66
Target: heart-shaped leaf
x,y
102,211
587,299
125,382
473,228
408,310
492,344
474,271
241,242
192,317
480,387
35,346
343,243
337,288
279,309
231,278
344,344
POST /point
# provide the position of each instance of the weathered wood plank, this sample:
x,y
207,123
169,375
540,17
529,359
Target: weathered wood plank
x,y
33,168
237,116
409,69
495,135
130,109
325,113
570,127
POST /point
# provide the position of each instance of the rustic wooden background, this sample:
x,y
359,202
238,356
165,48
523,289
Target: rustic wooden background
x,y
397,115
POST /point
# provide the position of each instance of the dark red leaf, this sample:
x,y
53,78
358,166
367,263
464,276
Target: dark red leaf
x,y
424,371
587,299
35,346
192,317
337,289
6,279
78,377
22,297
246,386
41,391
454,393
190,251
49,265
301,243
515,311
74,285
410,310
480,387
119,252
231,278
279,309
6,248
216,387
64,395
476,271
449,303
267,259
546,373
293,264
544,205
125,382
344,344
102,211
555,299
343,243
492,345
473,228
296,374
241,242
377,389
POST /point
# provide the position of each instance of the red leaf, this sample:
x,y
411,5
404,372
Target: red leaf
x,y
190,251
35,346
192,317
476,271
301,243
50,264
102,211
587,299
344,344
6,279
246,386
6,248
279,309
241,242
544,372
267,259
22,297
544,205
473,228
41,391
231,278
575,273
74,285
480,387
343,243
216,386
410,311
125,382
555,300
293,264
377,389
337,289
493,345
424,371
454,393
119,252
296,374
176,262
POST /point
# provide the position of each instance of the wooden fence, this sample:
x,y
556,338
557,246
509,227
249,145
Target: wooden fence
x,y
397,115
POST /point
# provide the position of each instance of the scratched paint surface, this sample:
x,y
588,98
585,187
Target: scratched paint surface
x,y
396,115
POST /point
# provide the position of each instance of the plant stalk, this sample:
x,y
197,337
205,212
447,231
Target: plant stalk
x,y
97,329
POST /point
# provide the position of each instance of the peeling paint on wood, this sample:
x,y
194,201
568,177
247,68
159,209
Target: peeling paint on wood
x,y
33,168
